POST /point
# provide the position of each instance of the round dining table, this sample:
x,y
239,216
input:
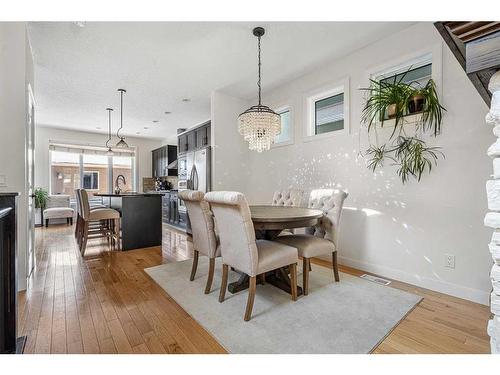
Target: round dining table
x,y
269,222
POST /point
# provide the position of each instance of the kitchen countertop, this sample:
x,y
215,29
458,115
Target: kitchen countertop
x,y
153,194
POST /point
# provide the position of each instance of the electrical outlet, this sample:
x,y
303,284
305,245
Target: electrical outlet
x,y
449,261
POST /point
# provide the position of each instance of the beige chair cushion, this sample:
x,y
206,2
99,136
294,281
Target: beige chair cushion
x,y
237,236
273,255
103,214
307,245
202,223
58,213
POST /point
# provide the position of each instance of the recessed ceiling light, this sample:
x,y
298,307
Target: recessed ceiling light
x,y
137,132
98,127
186,100
146,128
155,121
167,112
80,23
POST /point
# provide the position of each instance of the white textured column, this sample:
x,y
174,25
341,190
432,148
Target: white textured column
x,y
492,218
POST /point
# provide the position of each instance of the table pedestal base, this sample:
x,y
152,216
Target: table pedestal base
x,y
278,278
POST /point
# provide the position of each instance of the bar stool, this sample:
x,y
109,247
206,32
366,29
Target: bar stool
x,y
107,220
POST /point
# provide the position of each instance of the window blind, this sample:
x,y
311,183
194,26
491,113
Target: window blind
x,y
88,149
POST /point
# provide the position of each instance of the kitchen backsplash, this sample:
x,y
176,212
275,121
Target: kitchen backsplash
x,y
148,183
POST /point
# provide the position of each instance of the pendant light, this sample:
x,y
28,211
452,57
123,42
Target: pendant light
x,y
259,124
121,143
110,151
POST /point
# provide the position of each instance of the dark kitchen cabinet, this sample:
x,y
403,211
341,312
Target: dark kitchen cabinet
x,y
202,136
161,158
194,139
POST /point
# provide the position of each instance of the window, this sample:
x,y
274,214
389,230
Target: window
x,y
329,114
90,180
419,75
328,111
95,170
65,173
123,165
75,167
416,72
286,136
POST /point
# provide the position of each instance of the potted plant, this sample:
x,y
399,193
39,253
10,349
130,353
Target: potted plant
x,y
425,99
41,196
386,100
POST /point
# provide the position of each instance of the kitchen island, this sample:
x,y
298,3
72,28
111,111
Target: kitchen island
x,y
140,218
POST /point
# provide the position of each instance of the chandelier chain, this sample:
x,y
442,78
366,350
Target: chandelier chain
x,y
258,82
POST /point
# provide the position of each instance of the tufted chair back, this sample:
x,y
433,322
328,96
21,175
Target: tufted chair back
x,y
290,197
202,222
235,229
330,201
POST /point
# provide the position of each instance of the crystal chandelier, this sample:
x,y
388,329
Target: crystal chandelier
x,y
259,124
121,143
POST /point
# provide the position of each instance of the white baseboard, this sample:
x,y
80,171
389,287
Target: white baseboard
x,y
455,290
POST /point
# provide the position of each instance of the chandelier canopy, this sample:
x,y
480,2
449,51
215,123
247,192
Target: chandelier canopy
x,y
259,125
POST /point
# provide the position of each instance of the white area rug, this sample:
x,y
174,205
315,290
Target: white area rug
x,y
351,316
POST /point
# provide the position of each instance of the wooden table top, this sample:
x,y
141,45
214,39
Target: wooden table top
x,y
283,213
283,217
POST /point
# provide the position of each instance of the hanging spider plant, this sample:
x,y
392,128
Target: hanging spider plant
x,y
396,100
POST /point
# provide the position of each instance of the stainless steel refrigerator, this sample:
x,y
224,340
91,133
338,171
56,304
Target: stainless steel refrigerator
x,y
194,174
198,170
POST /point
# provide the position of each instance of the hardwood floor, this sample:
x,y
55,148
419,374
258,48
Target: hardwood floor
x,y
105,303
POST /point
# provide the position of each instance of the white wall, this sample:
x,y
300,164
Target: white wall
x,y
230,159
398,231
45,134
16,72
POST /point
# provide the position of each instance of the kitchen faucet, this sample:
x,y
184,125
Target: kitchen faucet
x,y
117,183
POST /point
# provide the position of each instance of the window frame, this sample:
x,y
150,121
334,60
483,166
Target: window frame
x,y
320,93
432,55
279,110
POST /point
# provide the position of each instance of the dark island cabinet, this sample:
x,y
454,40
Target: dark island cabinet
x,y
161,158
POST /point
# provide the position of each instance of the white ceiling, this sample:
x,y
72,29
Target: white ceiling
x,y
78,69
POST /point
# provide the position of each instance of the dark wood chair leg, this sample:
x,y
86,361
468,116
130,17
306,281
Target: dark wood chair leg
x,y
335,266
211,269
85,237
306,263
223,285
195,265
293,280
252,285
46,223
71,221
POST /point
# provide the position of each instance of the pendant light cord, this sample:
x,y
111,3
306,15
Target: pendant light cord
x,y
109,126
121,114
258,82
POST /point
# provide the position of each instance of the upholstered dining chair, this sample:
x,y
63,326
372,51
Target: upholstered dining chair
x,y
291,197
202,225
110,217
322,239
240,250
